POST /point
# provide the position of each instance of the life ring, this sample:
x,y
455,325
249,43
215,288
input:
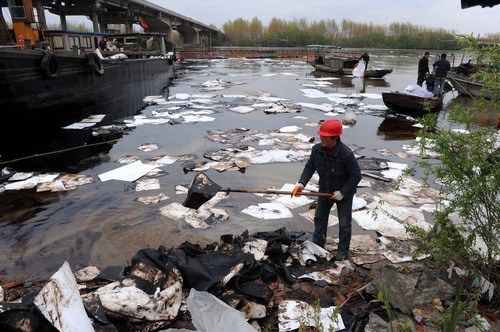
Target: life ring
x,y
95,62
50,65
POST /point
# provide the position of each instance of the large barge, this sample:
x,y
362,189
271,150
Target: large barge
x,y
35,83
52,78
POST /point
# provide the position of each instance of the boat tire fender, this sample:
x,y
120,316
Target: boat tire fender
x,y
51,65
96,64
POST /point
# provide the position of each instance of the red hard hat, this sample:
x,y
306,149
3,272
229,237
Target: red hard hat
x,y
331,127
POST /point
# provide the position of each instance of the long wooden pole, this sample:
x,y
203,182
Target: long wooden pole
x,y
275,192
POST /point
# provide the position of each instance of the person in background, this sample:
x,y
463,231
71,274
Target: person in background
x,y
366,58
339,174
102,44
442,66
111,45
423,68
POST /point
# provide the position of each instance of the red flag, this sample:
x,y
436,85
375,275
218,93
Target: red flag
x,y
144,25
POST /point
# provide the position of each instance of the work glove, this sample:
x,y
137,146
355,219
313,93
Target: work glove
x,y
336,196
297,190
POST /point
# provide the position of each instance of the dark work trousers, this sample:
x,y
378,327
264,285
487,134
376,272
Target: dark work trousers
x,y
344,210
420,79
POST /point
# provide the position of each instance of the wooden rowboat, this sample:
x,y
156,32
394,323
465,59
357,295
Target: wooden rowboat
x,y
369,73
405,103
467,86
331,59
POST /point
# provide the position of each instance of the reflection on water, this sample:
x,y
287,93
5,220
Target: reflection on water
x,y
16,207
487,117
347,81
67,150
102,223
394,128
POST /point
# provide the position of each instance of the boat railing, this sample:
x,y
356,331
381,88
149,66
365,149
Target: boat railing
x,y
15,46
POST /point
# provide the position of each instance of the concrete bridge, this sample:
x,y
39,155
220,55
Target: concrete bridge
x,y
127,12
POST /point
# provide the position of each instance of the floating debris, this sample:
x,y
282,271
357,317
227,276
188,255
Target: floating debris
x,y
75,180
280,107
87,122
148,184
289,129
54,186
130,172
197,118
181,96
242,109
20,176
31,182
148,147
291,202
267,211
205,216
140,120
169,160
154,199
151,99
313,93
180,190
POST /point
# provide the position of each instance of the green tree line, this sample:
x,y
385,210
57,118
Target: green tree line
x,y
347,33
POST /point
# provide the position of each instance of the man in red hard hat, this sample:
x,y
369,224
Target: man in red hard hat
x,y
339,174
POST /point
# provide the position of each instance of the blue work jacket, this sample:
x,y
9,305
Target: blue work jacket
x,y
338,170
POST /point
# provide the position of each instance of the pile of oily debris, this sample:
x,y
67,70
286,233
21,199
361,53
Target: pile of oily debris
x,y
265,281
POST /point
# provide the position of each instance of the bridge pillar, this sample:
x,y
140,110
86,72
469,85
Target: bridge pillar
x,y
64,23
95,21
189,34
40,11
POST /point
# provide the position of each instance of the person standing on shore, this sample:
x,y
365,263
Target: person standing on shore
x,y
339,174
423,68
442,66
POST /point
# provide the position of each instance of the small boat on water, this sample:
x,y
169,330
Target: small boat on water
x,y
330,59
413,100
462,79
467,86
369,73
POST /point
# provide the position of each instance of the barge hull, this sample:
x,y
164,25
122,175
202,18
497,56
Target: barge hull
x,y
34,104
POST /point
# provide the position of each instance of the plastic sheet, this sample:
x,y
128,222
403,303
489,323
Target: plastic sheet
x,y
130,172
268,211
359,71
202,189
59,301
209,314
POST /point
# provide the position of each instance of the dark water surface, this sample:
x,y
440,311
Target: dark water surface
x,y
102,223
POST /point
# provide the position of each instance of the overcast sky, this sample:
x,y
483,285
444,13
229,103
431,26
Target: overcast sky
x,y
432,13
